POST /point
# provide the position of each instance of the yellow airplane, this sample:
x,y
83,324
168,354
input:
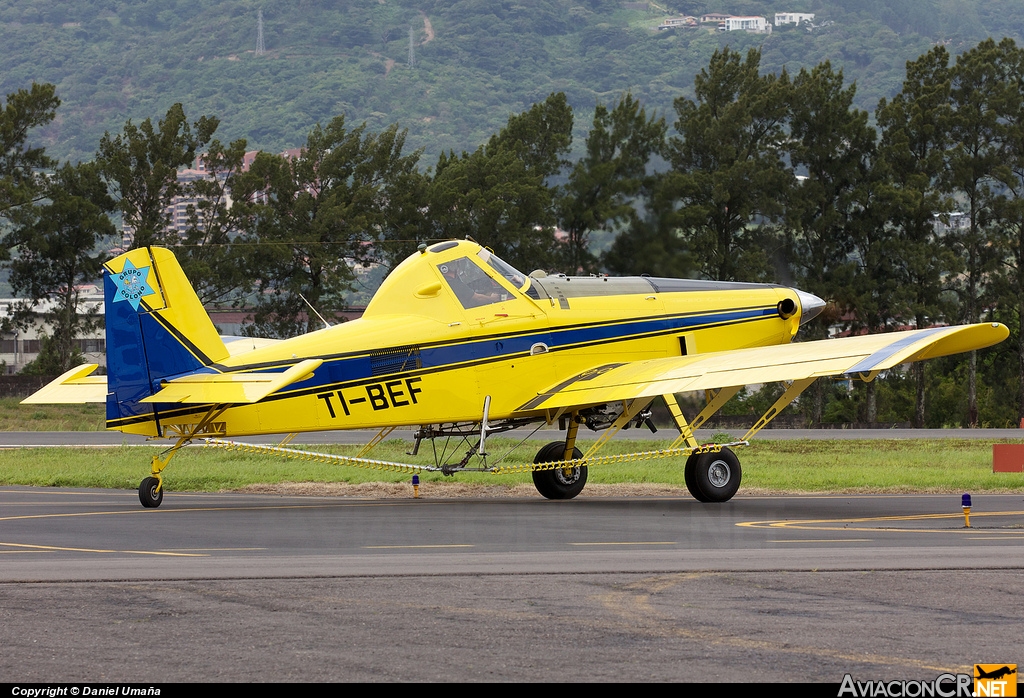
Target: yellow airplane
x,y
458,343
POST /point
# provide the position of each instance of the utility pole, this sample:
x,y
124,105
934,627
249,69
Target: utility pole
x,y
260,48
412,51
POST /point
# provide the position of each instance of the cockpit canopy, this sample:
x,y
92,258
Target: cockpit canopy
x,y
473,286
459,270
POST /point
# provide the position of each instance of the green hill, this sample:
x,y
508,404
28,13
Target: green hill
x,y
474,61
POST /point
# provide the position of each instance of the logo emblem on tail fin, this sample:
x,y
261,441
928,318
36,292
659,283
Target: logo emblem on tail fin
x,y
132,284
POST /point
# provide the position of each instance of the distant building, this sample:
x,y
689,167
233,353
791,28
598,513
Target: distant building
x,y
676,22
21,346
792,18
957,221
713,18
753,25
177,210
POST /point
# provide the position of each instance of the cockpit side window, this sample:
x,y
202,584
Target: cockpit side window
x,y
506,270
470,284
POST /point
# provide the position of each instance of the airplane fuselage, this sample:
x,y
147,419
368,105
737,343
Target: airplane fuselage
x,y
426,346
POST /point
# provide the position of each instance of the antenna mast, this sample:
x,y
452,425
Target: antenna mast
x,y
260,48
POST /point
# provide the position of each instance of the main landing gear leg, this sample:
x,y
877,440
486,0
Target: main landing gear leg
x,y
151,489
561,483
715,476
709,476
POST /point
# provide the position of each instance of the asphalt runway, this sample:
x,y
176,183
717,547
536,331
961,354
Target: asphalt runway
x,y
239,587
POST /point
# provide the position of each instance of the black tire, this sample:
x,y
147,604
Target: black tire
x,y
717,475
690,475
150,493
557,483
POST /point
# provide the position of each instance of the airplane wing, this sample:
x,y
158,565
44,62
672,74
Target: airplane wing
x,y
231,388
72,387
851,356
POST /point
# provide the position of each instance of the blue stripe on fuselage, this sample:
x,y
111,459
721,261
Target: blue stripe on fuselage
x,y
355,368
431,358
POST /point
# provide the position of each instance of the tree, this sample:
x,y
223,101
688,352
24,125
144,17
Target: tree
x,y
206,251
400,199
60,247
499,194
876,286
832,143
322,213
915,135
539,137
141,166
19,163
1009,208
978,82
728,177
604,182
493,199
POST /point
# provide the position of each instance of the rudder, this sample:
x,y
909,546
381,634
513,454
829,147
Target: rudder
x,y
156,328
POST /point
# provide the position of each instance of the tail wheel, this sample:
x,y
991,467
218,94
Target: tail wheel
x,y
151,493
713,477
559,483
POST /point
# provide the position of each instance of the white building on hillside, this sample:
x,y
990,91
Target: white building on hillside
x,y
792,18
680,22
753,25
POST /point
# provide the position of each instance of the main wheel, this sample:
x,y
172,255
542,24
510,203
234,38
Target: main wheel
x,y
716,476
690,476
559,483
150,493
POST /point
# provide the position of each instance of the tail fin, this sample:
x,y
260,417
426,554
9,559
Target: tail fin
x,y
156,328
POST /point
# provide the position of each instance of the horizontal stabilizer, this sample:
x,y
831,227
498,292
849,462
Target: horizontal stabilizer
x,y
73,387
852,356
231,388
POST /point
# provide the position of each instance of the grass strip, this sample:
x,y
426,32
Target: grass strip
x,y
912,465
17,417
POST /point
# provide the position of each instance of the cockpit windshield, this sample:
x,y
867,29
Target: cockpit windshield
x,y
511,274
471,284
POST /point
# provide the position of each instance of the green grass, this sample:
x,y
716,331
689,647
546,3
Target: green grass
x,y
940,465
17,417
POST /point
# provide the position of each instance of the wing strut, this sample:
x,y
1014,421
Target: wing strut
x,y
685,430
630,409
716,399
793,390
380,436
